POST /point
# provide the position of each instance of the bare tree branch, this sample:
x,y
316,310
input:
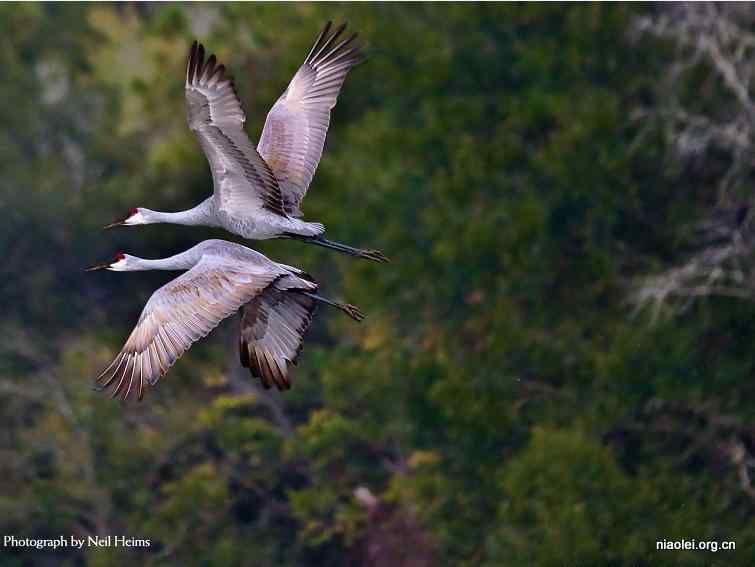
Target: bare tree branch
x,y
715,38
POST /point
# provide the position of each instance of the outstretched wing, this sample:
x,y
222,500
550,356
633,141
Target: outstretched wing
x,y
177,315
273,326
244,183
295,129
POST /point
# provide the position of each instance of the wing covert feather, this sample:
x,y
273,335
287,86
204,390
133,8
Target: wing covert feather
x,y
293,138
273,326
176,316
214,113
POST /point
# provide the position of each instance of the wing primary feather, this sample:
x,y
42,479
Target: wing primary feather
x,y
137,373
346,53
243,351
265,368
327,58
162,358
137,376
280,379
119,360
257,371
209,68
140,392
191,67
218,72
283,373
272,368
154,360
143,376
200,63
315,60
168,347
131,382
146,363
319,40
118,386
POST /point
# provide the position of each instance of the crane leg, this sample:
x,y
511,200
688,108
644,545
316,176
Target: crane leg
x,y
374,255
350,310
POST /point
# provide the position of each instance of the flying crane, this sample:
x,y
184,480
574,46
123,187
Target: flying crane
x,y
277,302
257,192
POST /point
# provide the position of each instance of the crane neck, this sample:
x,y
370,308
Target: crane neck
x,y
140,264
201,215
183,261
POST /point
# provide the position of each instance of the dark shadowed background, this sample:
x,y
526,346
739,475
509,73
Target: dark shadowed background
x,y
557,365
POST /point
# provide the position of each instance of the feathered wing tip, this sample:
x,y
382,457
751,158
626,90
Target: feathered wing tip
x,y
131,372
327,50
124,377
201,73
191,62
271,335
319,41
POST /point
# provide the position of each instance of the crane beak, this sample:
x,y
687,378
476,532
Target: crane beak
x,y
121,221
101,266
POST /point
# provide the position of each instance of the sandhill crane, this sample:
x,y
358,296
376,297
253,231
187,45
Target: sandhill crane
x,y
257,192
278,303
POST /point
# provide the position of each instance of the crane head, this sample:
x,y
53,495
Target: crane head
x,y
116,264
133,217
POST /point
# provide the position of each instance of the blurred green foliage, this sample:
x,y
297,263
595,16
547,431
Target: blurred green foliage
x,y
499,406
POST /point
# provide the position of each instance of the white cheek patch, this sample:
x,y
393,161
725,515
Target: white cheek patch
x,y
137,218
119,266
